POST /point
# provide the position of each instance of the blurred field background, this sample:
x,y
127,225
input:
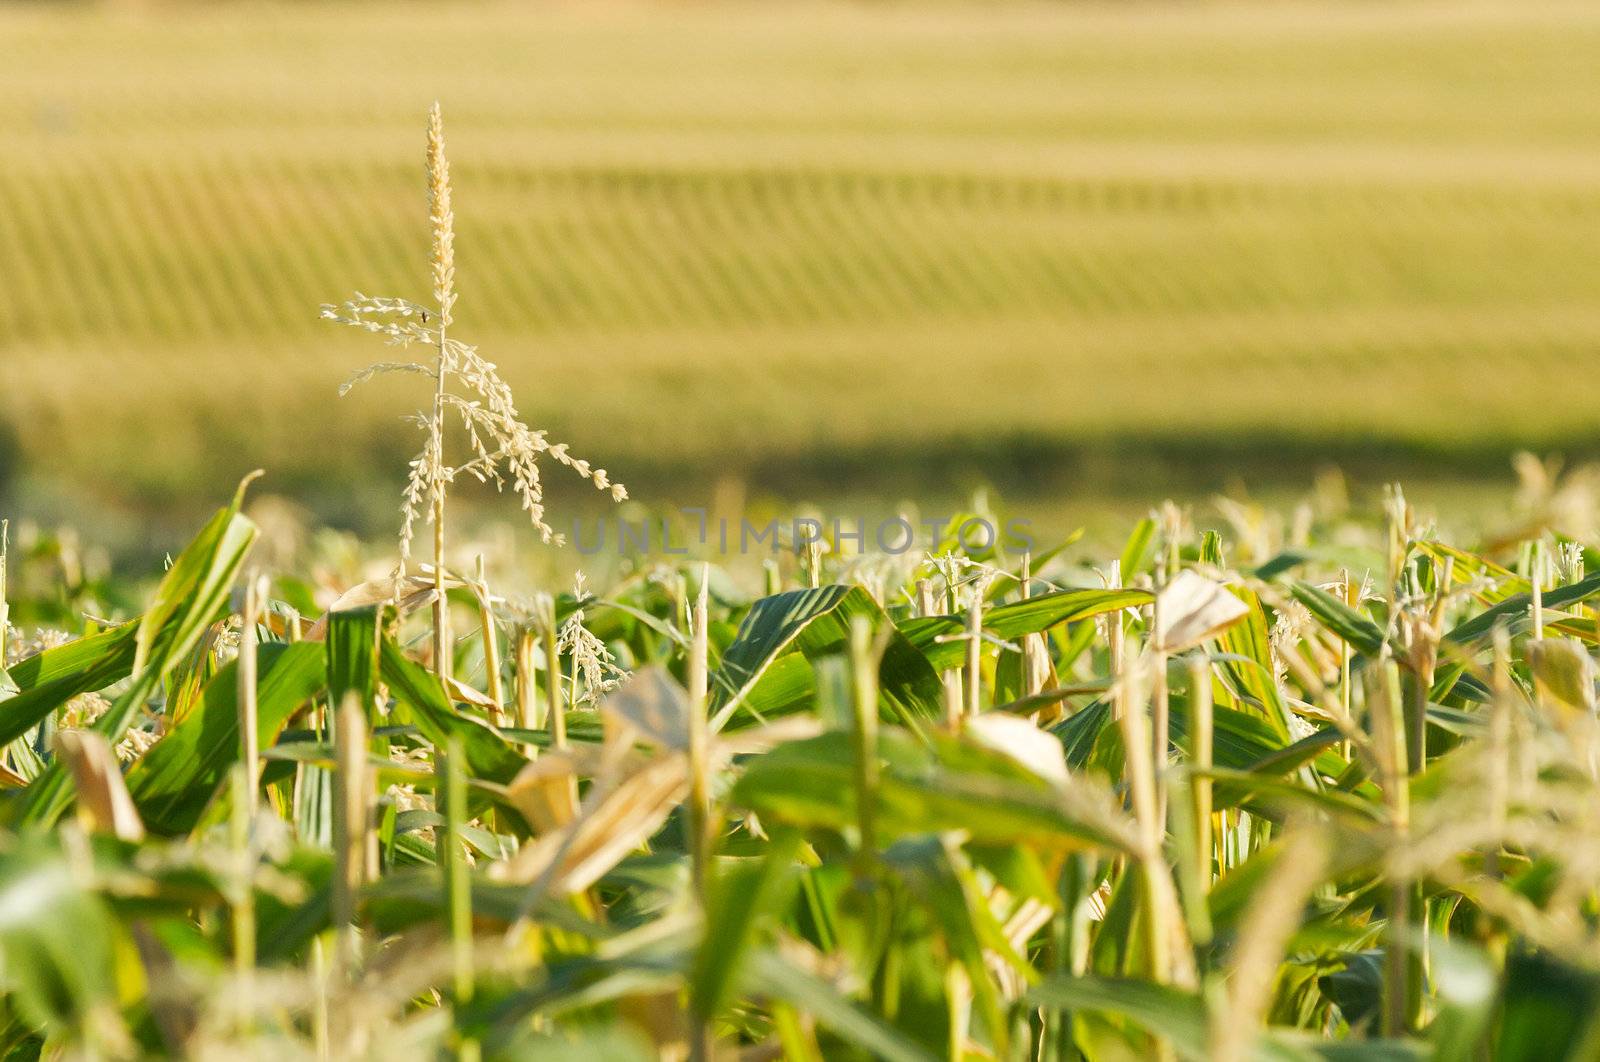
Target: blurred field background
x,y
1067,248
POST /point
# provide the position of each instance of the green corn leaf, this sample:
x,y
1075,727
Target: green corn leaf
x,y
939,875
59,940
954,784
1123,942
74,657
1250,640
194,590
742,892
1266,796
1080,731
773,975
1239,739
487,755
52,678
765,670
173,782
1029,616
188,600
1139,548
1513,611
1161,1010
1548,1011
1292,757
1174,1015
1363,635
353,657
1471,566
1466,984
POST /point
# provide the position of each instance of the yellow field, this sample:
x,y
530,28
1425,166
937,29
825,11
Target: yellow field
x,y
721,237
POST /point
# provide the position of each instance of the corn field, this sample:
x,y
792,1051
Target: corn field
x,y
1216,797
1322,784
710,214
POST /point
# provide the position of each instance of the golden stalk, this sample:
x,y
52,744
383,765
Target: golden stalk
x,y
1425,662
974,650
320,1039
243,909
1536,577
1171,961
491,646
1401,967
1345,655
1267,927
865,673
1035,651
1160,700
949,680
351,820
556,717
699,810
441,604
699,740
1114,646
255,592
527,683
452,859
1499,751
556,721
1200,752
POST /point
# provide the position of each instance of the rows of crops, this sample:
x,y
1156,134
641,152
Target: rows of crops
x,y
1329,797
1266,788
138,255
727,205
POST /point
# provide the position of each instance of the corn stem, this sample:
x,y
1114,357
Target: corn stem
x,y
1200,708
865,733
453,862
351,821
243,908
255,592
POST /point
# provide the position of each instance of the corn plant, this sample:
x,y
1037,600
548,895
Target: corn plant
x,y
1245,794
1368,832
501,446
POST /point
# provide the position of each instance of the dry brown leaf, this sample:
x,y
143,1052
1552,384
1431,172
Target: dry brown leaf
x,y
542,791
631,796
103,800
654,706
611,822
460,691
407,593
1564,671
1024,742
1191,609
1038,670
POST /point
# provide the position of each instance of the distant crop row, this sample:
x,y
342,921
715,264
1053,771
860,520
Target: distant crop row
x,y
807,227
103,251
